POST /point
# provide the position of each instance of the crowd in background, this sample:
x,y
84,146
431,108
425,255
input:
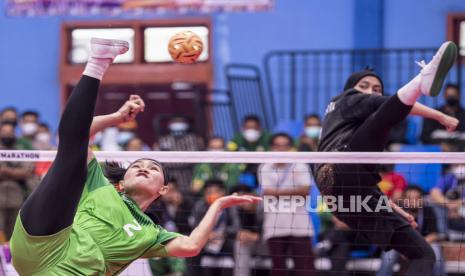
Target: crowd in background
x,y
247,232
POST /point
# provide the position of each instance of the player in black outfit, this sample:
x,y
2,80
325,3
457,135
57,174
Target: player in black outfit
x,y
359,120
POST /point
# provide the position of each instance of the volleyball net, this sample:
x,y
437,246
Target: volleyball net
x,y
293,229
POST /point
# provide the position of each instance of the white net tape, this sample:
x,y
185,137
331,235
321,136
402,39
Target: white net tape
x,y
253,157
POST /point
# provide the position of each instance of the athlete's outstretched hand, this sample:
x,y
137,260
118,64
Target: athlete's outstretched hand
x,y
234,199
131,108
450,123
189,246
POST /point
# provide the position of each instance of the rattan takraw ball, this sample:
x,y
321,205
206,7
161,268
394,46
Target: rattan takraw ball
x,y
185,47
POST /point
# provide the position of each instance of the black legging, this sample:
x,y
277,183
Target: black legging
x,y
372,135
52,206
412,245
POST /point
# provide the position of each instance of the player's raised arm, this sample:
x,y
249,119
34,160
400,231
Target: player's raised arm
x,y
127,112
189,246
450,123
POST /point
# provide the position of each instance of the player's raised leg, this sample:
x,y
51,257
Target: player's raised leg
x,y
53,204
373,134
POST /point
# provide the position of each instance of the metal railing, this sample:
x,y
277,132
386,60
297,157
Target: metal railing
x,y
222,114
302,82
247,94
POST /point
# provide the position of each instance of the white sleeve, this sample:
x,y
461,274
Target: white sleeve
x,y
302,175
265,178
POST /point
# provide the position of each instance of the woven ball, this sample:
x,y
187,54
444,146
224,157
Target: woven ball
x,y
185,47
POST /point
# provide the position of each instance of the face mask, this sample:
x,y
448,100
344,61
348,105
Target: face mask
x,y
313,132
43,138
29,129
178,127
8,141
251,135
124,137
452,101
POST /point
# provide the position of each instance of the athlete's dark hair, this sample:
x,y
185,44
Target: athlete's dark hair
x,y
355,77
114,171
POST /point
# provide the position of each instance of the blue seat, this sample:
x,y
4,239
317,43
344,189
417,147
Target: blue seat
x,y
293,128
423,175
411,135
360,254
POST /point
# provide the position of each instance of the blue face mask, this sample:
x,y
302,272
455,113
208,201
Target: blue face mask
x,y
313,132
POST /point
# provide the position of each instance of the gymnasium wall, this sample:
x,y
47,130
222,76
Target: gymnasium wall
x,y
29,47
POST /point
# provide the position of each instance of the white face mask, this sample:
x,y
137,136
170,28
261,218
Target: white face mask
x,y
43,138
178,127
29,129
313,131
251,135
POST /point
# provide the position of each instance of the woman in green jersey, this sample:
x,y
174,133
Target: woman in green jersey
x,y
75,222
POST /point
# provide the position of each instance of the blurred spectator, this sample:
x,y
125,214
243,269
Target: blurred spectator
x,y
9,115
449,196
222,237
134,144
14,186
251,138
248,236
286,230
126,131
172,213
427,225
106,140
435,133
309,139
228,172
121,137
42,141
29,124
392,183
43,138
180,138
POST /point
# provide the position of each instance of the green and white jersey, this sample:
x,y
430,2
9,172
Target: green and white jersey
x,y
108,233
